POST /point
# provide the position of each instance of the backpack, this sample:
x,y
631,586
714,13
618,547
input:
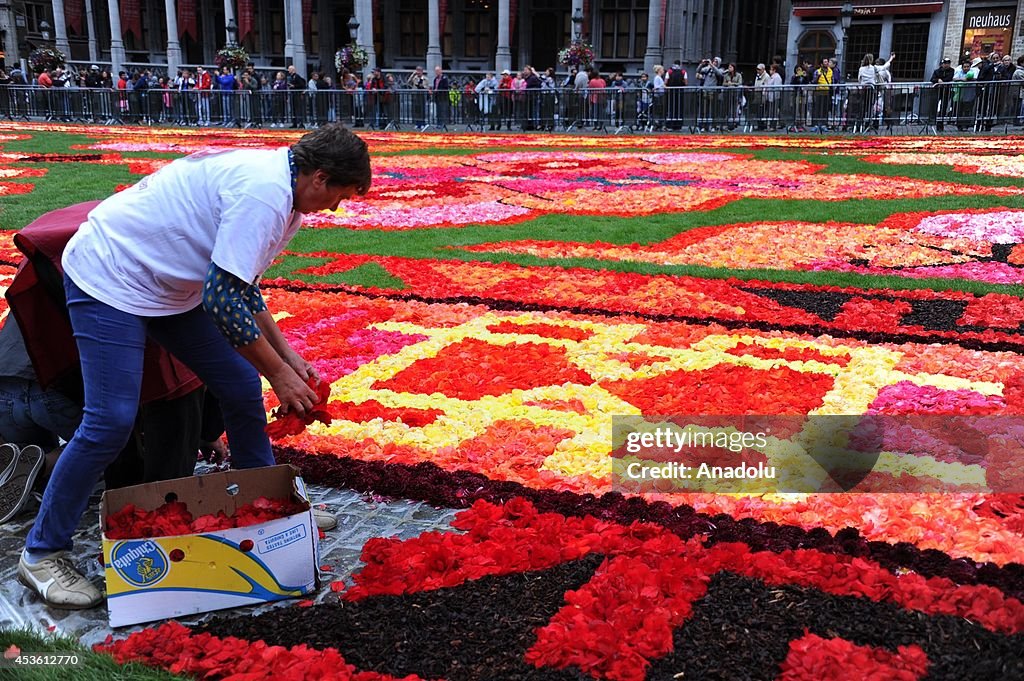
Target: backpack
x,y
675,78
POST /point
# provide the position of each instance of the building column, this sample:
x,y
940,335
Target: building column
x,y
173,43
90,22
60,28
364,36
117,55
954,29
677,20
503,55
653,54
935,50
10,39
294,8
885,46
795,32
229,16
434,55
289,44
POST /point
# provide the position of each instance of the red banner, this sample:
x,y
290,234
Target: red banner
x,y
307,19
442,16
187,19
246,18
74,10
513,11
131,18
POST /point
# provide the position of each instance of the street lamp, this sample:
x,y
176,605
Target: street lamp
x,y
44,29
232,30
577,25
353,29
845,19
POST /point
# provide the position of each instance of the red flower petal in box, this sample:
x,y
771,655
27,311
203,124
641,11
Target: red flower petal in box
x,y
174,519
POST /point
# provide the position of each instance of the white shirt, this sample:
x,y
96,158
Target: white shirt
x,y
146,250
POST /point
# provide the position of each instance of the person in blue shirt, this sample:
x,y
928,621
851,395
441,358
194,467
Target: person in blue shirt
x,y
226,84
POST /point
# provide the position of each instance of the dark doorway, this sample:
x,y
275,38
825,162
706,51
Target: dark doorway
x,y
546,40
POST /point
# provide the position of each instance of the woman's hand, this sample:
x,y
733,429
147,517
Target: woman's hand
x,y
303,368
291,389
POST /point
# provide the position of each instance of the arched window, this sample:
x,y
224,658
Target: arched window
x,y
817,45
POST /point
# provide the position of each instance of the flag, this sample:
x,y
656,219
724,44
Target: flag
x,y
307,18
187,19
131,18
245,19
441,17
74,10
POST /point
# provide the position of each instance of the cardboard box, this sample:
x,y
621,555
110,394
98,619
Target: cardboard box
x,y
165,577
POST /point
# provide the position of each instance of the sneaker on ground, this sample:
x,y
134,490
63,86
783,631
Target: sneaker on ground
x,y
8,459
324,520
15,490
58,583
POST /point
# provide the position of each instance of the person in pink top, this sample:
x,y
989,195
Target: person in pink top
x,y
518,100
597,99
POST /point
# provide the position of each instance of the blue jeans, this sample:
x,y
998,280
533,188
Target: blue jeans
x,y
111,344
30,415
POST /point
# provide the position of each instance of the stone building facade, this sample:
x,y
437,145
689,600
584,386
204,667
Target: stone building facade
x,y
461,35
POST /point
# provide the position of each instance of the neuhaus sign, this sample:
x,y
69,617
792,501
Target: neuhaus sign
x,y
987,30
999,19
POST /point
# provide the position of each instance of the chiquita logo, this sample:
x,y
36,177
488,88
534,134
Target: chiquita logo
x,y
140,563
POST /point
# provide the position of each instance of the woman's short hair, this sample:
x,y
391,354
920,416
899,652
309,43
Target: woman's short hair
x,y
337,151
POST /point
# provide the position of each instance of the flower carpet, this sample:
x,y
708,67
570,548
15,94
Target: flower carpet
x,y
484,313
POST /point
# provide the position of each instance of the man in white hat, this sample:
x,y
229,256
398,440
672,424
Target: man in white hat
x,y
94,79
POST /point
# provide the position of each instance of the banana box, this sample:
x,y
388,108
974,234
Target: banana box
x,y
168,577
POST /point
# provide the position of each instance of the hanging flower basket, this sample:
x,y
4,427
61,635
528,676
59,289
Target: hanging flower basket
x,y
233,57
579,55
46,59
350,57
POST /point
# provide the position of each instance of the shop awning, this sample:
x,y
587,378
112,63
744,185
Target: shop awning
x,y
863,8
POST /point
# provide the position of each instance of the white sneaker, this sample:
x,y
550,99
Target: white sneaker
x,y
58,583
324,520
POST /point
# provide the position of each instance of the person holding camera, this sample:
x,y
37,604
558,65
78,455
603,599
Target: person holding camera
x,y
486,88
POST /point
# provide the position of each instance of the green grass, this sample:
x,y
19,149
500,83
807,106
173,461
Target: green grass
x,y
92,667
64,184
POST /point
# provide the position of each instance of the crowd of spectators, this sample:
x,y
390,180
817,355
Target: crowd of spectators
x,y
713,96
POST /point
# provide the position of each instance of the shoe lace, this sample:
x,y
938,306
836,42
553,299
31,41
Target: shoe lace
x,y
65,573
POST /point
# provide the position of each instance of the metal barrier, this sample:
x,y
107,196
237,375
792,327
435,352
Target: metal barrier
x,y
907,107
